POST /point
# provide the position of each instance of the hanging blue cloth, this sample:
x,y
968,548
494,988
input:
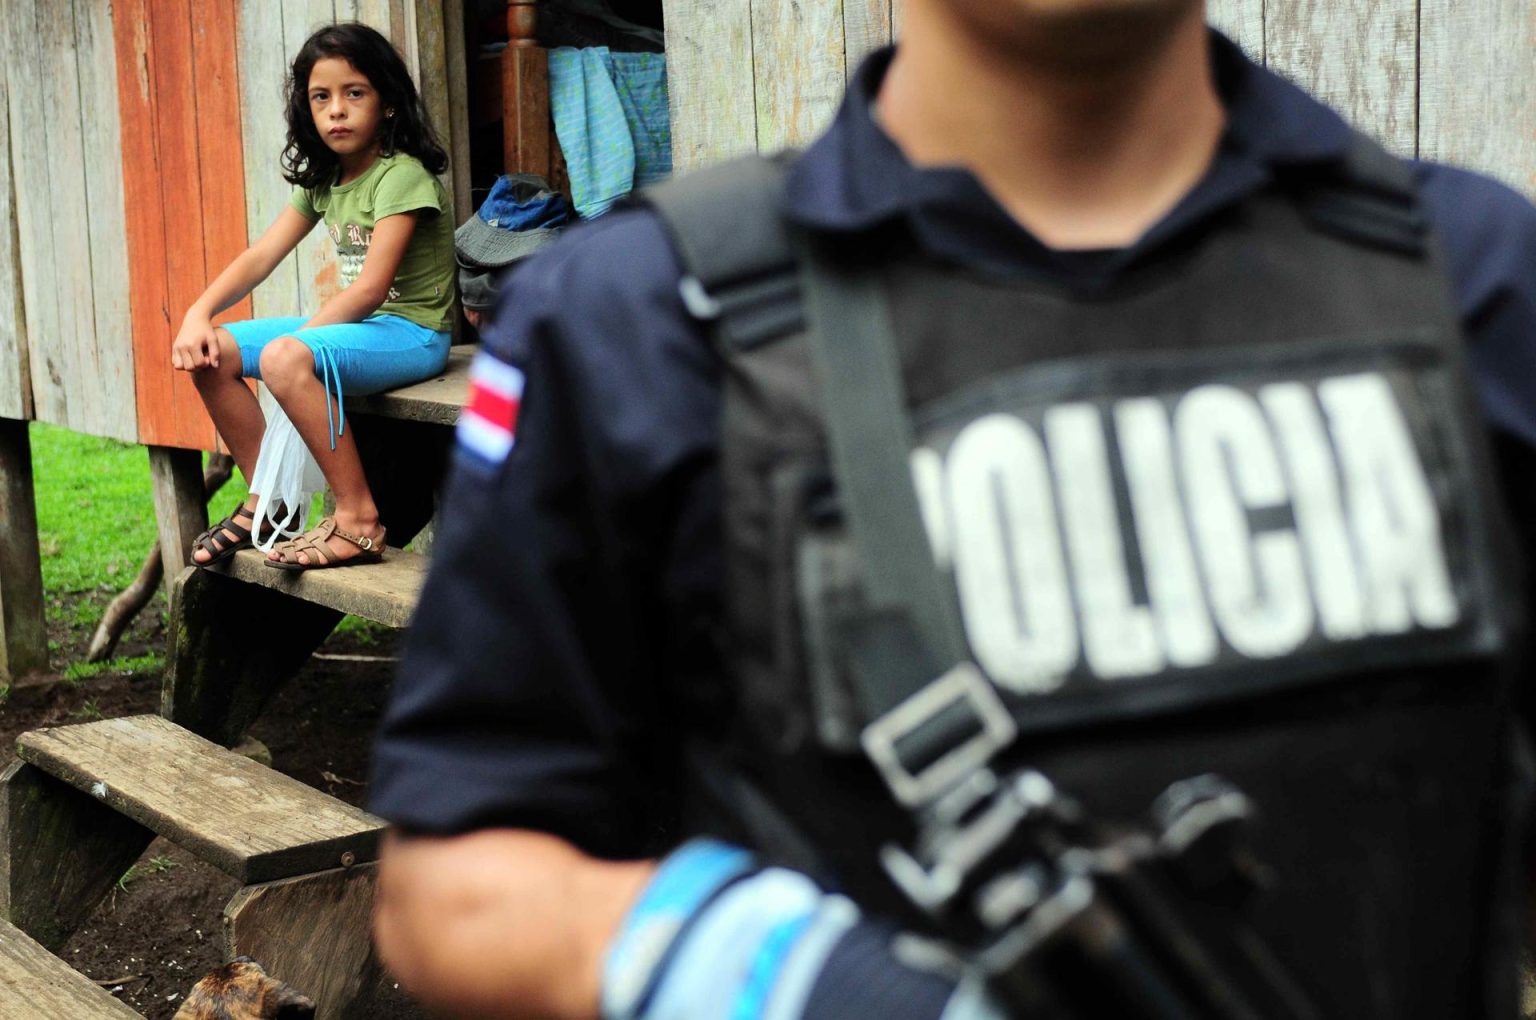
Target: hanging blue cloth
x,y
613,122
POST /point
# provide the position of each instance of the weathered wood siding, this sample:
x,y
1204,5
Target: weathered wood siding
x,y
15,386
66,192
1430,78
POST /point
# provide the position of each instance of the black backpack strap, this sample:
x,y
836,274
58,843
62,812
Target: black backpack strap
x,y
1368,196
738,265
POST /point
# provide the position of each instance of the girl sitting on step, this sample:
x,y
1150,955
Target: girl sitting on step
x,y
361,154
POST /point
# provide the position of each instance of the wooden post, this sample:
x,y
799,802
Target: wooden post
x,y
221,672
181,506
525,92
23,633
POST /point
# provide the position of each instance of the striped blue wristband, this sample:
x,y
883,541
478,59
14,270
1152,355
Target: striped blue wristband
x,y
714,938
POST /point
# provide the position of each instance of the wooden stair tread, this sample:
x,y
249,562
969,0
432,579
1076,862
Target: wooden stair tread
x,y
249,821
382,592
35,983
437,400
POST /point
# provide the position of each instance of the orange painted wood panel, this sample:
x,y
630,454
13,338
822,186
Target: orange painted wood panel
x,y
183,170
222,166
148,303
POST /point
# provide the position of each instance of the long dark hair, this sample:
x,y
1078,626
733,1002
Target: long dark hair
x,y
307,161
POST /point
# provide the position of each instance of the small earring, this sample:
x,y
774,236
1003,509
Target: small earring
x,y
388,114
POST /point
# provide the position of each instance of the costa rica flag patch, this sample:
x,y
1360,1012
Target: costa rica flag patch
x,y
488,426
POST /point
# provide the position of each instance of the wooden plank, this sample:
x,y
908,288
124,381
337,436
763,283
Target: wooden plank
x,y
64,158
710,85
373,13
253,823
152,319
313,15
384,592
319,276
1242,21
456,129
400,29
60,852
866,28
1477,99
35,983
263,60
49,341
312,933
797,55
437,400
181,506
23,632
1359,56
111,354
224,230
898,17
431,70
167,397
15,386
22,60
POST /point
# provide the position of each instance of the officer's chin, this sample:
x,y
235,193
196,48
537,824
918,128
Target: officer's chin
x,y
1082,35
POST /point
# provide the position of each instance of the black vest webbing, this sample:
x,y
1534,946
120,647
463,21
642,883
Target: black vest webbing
x,y
1317,293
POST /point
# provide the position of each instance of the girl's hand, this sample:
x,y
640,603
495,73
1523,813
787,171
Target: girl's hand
x,y
196,346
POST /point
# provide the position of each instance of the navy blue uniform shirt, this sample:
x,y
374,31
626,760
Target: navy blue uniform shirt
x,y
576,586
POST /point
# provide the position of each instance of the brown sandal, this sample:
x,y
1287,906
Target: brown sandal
x,y
220,547
312,543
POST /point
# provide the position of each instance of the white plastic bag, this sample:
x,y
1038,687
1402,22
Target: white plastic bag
x,y
286,474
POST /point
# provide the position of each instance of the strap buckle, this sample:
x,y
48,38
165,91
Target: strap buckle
x,y
889,740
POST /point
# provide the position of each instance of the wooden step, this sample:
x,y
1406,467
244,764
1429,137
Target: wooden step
x,y
437,400
35,984
251,822
383,592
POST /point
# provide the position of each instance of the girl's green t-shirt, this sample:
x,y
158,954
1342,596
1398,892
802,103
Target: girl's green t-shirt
x,y
426,284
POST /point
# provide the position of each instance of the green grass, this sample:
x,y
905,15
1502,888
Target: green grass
x,y
95,513
96,523
127,665
157,865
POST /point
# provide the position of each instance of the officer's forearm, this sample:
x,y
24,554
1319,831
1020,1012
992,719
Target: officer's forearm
x,y
500,923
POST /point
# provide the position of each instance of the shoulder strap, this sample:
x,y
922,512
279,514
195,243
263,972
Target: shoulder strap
x,y
1370,197
739,268
931,717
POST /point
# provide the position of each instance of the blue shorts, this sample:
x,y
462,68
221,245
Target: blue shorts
x,y
351,358
377,354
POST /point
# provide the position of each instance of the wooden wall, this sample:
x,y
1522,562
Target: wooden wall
x,y
1438,79
139,144
66,195
1442,80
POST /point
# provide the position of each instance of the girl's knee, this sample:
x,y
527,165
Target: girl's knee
x,y
286,362
230,366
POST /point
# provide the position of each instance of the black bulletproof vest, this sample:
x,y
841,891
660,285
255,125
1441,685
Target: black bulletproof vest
x,y
1229,513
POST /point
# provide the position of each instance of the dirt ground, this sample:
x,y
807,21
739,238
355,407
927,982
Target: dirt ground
x,y
160,930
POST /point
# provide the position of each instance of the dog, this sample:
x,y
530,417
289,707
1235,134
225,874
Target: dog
x,y
241,990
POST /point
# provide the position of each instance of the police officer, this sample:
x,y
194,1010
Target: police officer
x,y
1037,552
